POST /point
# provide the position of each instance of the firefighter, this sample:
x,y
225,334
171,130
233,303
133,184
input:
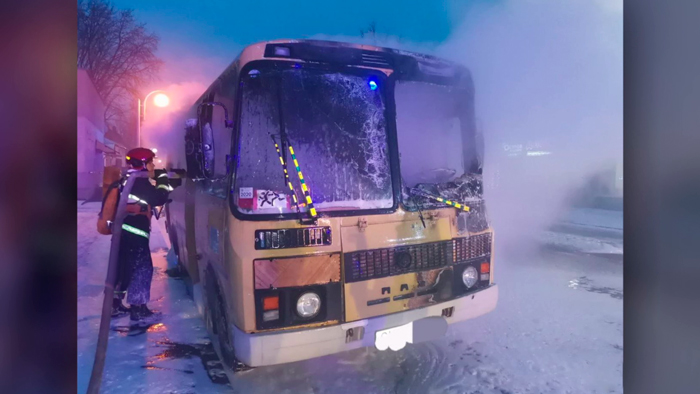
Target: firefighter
x,y
135,267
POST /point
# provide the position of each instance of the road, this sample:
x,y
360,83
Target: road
x,y
557,329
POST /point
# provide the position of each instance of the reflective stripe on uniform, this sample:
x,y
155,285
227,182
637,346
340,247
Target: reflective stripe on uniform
x,y
134,230
136,200
166,187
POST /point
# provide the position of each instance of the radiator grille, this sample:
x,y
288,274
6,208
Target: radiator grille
x,y
472,247
378,263
371,264
292,238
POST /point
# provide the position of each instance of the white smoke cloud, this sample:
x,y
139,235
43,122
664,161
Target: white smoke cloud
x,y
549,72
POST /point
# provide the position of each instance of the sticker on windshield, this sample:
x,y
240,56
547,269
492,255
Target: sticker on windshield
x,y
246,197
271,199
245,193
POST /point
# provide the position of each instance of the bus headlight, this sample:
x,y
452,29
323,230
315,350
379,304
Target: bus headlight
x,y
308,305
469,276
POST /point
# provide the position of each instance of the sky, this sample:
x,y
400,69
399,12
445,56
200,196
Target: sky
x,y
212,28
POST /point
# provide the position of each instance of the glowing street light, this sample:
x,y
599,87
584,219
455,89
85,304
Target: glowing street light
x,y
160,100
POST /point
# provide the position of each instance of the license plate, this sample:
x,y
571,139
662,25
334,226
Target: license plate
x,y
394,338
422,330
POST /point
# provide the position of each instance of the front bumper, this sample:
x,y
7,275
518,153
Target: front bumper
x,y
262,349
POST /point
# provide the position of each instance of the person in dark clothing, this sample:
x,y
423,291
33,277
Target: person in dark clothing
x,y
135,267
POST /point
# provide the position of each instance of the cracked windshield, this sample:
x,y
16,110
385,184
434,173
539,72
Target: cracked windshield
x,y
336,126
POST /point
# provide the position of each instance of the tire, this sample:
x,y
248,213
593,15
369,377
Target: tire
x,y
218,320
173,240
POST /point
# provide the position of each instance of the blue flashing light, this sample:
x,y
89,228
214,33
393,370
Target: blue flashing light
x,y
372,84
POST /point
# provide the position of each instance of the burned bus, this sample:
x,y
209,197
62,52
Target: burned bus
x,y
332,200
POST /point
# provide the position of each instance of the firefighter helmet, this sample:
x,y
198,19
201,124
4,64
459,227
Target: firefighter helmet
x,y
139,157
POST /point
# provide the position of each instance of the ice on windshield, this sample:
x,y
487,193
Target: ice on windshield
x,y
336,125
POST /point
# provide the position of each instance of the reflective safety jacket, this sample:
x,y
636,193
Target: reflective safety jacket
x,y
142,199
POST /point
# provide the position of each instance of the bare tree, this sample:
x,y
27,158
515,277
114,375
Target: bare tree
x,y
118,54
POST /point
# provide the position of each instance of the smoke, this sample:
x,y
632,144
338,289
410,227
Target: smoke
x,y
184,79
545,72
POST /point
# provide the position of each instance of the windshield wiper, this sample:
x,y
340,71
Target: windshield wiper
x,y
284,140
286,178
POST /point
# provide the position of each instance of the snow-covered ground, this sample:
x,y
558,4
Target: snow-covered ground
x,y
557,329
587,230
592,217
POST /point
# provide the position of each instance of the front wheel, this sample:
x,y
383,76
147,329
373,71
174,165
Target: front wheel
x,y
219,321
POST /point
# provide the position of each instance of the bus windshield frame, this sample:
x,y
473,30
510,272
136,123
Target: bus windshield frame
x,y
465,184
386,91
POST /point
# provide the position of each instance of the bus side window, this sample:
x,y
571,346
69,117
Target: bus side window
x,y
207,134
222,137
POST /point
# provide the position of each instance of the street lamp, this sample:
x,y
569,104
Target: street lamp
x,y
160,100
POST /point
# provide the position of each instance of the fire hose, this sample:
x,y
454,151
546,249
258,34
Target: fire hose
x,y
106,317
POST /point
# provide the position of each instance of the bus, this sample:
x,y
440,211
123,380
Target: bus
x,y
332,200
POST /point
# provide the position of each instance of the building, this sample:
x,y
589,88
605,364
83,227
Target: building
x,y
92,145
115,142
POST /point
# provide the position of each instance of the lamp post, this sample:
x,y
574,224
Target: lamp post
x,y
161,100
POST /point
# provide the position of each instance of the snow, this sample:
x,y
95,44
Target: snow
x,y
587,230
595,218
557,329
578,243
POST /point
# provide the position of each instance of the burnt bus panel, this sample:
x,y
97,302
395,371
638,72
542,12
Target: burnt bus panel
x,y
397,233
297,271
407,291
391,280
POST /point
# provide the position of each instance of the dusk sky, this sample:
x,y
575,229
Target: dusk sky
x,y
221,28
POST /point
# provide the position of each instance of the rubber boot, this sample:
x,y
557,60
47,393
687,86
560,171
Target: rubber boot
x,y
119,309
142,313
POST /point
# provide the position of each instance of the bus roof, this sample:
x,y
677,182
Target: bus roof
x,y
403,64
348,54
